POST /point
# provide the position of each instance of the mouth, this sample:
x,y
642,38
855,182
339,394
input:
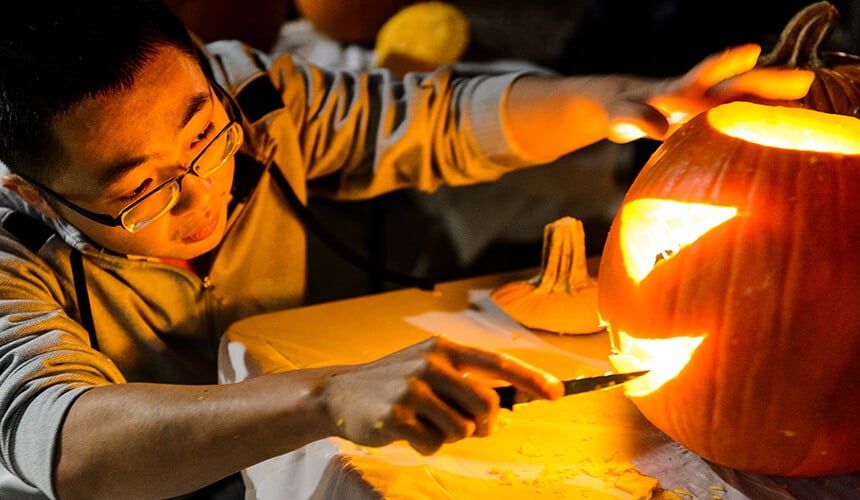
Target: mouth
x,y
204,229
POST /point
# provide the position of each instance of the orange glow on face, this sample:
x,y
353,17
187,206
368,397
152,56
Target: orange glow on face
x,y
788,128
665,358
653,231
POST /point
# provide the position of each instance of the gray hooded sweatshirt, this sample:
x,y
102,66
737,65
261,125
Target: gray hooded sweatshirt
x,y
344,135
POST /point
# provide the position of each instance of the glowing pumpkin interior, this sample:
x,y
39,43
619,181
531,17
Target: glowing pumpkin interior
x,y
788,128
653,231
665,358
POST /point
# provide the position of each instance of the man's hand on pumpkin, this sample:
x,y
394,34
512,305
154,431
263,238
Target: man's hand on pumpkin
x,y
428,394
719,78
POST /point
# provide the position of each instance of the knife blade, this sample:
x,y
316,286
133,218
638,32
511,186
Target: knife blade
x,y
509,396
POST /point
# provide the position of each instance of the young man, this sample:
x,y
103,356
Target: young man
x,y
143,212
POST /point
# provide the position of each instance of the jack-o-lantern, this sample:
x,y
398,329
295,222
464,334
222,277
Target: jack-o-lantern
x,y
732,272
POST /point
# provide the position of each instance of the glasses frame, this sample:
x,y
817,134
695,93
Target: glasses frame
x,y
114,221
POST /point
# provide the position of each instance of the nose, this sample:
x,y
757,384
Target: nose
x,y
196,191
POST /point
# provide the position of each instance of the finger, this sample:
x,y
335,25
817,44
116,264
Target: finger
x,y
468,397
486,416
678,110
624,132
524,376
726,64
768,83
629,120
425,439
428,405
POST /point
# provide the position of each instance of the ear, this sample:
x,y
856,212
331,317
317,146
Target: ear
x,y
28,193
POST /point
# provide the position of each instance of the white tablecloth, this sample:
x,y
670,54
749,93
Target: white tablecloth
x,y
578,447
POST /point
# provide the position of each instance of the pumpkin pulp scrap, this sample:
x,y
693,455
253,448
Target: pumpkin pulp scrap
x,y
562,298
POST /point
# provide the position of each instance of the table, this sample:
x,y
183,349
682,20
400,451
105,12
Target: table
x,y
593,446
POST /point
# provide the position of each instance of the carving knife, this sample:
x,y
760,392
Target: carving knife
x,y
509,396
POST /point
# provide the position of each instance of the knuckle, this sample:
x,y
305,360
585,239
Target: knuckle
x,y
461,431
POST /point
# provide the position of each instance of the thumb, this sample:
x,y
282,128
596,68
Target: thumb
x,y
629,120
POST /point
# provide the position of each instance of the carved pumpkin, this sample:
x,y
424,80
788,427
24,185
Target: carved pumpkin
x,y
732,271
562,298
836,87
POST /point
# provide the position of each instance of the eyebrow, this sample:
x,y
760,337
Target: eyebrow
x,y
120,169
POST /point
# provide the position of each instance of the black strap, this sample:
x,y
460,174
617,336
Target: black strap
x,y
84,307
256,99
33,233
309,221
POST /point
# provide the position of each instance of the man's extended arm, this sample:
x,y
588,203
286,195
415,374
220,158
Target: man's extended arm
x,y
548,117
151,440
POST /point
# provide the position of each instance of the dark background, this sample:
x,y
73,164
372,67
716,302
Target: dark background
x,y
646,37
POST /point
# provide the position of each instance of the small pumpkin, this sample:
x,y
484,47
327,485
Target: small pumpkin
x,y
836,87
349,21
562,297
421,37
731,270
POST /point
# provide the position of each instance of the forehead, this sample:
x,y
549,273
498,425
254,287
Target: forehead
x,y
141,122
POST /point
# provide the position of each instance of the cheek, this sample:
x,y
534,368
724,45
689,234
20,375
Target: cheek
x,y
114,239
222,180
161,238
155,240
152,241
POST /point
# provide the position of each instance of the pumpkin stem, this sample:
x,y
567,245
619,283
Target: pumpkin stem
x,y
800,41
563,262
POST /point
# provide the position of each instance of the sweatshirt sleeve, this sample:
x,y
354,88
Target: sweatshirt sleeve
x,y
360,134
45,364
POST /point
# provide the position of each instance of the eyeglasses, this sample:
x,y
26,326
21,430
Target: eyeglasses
x,y
164,197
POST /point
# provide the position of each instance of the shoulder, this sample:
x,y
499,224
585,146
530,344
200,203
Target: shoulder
x,y
233,62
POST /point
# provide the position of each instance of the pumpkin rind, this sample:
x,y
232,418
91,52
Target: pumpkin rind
x,y
775,385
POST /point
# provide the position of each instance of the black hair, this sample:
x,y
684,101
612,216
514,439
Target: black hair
x,y
56,53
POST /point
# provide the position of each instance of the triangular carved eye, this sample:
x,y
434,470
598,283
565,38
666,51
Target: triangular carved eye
x,y
653,231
